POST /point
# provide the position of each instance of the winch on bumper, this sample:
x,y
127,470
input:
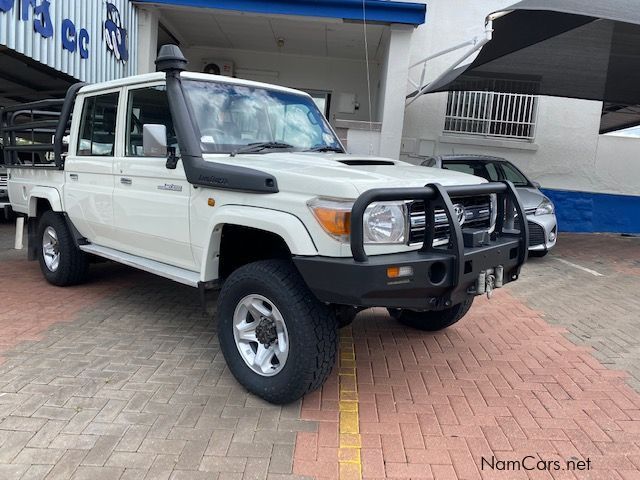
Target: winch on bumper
x,y
432,278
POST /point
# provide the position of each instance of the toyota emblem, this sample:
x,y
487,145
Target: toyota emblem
x,y
460,214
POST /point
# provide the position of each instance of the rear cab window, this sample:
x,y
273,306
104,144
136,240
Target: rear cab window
x,y
97,133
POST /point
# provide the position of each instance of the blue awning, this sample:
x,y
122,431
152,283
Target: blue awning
x,y
384,11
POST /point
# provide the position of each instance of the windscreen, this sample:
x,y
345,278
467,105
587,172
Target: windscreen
x,y
230,117
514,175
491,171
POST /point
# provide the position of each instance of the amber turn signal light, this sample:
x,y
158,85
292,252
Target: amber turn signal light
x,y
399,272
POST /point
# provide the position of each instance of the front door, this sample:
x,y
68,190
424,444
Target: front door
x,y
151,202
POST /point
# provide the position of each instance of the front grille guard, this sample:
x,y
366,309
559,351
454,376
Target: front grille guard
x,y
507,201
441,235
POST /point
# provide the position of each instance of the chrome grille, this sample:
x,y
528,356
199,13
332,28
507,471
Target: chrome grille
x,y
478,215
3,179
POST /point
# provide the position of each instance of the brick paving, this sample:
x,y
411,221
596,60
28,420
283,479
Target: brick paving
x,y
503,383
122,378
601,312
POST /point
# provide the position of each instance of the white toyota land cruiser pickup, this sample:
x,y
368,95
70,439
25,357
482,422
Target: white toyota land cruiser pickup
x,y
217,182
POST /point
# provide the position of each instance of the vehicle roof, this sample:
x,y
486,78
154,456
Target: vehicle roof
x,y
158,76
474,157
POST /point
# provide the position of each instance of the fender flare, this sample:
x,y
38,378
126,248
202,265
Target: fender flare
x,y
47,193
287,226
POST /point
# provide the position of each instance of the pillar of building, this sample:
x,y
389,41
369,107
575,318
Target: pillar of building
x,y
147,40
393,86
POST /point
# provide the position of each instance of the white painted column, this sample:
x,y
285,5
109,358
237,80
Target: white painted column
x,y
147,40
393,83
19,233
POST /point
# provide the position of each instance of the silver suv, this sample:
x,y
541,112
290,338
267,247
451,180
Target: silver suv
x,y
543,226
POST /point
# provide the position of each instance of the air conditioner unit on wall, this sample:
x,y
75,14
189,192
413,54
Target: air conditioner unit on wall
x,y
219,67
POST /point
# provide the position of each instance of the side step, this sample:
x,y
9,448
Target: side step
x,y
177,274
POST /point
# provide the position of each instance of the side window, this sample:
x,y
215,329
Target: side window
x,y
98,125
147,106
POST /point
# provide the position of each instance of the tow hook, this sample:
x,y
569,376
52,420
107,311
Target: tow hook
x,y
491,284
489,280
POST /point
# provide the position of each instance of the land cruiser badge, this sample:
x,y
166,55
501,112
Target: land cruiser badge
x,y
170,187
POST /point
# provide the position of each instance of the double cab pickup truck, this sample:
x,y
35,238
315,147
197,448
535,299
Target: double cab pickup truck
x,y
221,183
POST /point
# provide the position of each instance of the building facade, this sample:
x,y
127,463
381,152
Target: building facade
x,y
593,179
357,59
47,44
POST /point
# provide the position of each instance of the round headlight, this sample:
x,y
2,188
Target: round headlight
x,y
385,223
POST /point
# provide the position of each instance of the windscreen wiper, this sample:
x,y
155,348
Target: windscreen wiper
x,y
325,148
259,146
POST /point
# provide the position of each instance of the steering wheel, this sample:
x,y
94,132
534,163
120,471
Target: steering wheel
x,y
216,133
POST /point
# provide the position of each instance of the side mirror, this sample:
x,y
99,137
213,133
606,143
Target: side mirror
x,y
154,140
536,184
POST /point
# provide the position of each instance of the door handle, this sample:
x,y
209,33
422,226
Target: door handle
x,y
73,176
125,181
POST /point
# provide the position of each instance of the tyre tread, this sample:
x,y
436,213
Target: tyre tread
x,y
74,263
323,324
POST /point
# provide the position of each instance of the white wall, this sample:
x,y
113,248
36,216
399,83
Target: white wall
x,y
617,164
298,71
567,152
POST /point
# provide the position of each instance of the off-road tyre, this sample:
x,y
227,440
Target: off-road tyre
x,y
435,320
312,329
73,263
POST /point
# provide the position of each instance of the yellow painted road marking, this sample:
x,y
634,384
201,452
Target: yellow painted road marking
x,y
350,444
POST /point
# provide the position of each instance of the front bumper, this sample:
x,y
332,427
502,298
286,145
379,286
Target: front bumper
x,y
441,277
540,227
344,281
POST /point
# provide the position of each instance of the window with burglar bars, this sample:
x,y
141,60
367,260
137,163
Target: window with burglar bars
x,y
492,114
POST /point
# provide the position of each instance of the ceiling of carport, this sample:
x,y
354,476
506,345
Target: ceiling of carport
x,y
24,80
301,35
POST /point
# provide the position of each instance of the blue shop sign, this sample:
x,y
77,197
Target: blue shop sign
x,y
73,38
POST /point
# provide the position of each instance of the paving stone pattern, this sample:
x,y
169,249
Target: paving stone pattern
x,y
122,378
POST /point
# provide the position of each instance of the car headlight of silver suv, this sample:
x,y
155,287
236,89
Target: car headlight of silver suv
x,y
383,222
545,208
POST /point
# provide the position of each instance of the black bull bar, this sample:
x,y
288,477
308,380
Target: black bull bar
x,y
508,206
440,276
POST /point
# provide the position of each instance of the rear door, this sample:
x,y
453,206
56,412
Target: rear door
x,y
150,202
88,189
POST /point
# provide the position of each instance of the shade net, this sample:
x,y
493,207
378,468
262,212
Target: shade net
x,y
571,48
